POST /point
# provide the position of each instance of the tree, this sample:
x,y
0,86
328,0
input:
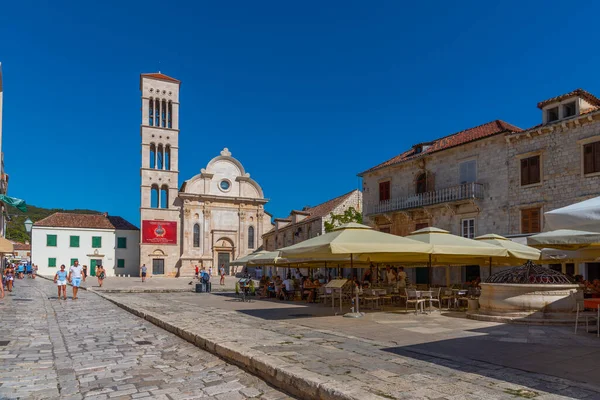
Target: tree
x,y
350,215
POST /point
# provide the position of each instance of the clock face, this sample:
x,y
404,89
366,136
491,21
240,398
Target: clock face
x,y
225,185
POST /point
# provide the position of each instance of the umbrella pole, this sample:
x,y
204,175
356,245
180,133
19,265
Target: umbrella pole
x,y
490,267
430,272
355,313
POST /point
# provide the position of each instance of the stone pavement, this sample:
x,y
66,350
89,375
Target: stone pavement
x,y
154,284
382,356
90,348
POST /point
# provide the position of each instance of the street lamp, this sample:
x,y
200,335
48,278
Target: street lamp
x,y
28,226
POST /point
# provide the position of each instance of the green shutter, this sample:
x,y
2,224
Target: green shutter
x,y
121,263
52,261
96,242
73,261
122,243
74,241
51,240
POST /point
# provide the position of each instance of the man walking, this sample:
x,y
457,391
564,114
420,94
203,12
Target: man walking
x,y
222,271
75,275
143,270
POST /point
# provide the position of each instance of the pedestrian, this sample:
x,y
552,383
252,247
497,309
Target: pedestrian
x,y
1,285
10,276
143,270
60,278
34,271
29,270
84,272
196,272
100,274
20,270
222,281
210,270
74,277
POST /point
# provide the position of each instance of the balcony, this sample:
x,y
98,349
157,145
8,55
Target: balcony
x,y
466,191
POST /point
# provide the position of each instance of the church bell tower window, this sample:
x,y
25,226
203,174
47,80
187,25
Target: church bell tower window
x,y
164,197
196,235
151,112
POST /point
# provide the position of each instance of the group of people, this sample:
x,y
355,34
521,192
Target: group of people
x,y
77,273
392,276
282,289
12,272
591,288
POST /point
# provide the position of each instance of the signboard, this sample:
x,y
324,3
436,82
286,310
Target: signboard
x,y
159,232
336,283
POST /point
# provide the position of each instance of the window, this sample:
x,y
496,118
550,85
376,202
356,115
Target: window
x,y
591,158
196,235
120,263
468,171
74,241
52,262
530,220
384,191
530,170
156,112
468,228
251,237
122,243
552,114
168,157
51,240
164,197
159,157
569,109
170,117
163,117
73,261
151,112
421,183
152,156
154,196
96,242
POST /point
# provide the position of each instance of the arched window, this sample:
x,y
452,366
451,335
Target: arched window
x,y
196,235
170,118
164,114
151,112
159,157
152,155
251,237
154,196
156,112
168,157
422,183
164,197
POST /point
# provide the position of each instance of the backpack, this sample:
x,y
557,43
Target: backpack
x,y
205,277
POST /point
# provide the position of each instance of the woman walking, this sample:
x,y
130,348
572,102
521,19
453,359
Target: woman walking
x,y
10,276
100,274
60,278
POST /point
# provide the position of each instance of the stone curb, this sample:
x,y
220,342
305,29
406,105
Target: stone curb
x,y
286,377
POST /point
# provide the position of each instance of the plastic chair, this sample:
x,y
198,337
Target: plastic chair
x,y
589,316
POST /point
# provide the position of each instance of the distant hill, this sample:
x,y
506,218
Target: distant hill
x,y
15,229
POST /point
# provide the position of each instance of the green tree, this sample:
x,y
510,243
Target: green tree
x,y
350,215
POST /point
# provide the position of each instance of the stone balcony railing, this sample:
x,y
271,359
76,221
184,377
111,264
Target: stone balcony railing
x,y
451,194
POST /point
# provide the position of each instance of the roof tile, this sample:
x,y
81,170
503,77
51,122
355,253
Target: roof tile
x,y
590,98
91,221
158,75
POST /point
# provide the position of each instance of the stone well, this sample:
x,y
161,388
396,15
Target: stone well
x,y
528,294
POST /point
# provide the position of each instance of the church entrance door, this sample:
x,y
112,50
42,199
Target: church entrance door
x,y
223,259
158,266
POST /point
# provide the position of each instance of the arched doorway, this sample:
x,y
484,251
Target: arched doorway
x,y
223,250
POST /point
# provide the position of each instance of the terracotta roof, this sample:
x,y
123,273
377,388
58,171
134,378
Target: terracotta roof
x,y
577,92
21,246
158,75
560,121
93,221
456,139
324,209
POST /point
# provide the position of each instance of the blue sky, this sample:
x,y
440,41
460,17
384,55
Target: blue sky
x,y
304,94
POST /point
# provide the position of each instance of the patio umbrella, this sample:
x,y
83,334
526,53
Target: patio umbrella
x,y
448,248
360,242
517,253
584,216
565,239
244,260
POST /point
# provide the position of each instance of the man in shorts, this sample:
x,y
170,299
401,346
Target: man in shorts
x,y
143,270
75,276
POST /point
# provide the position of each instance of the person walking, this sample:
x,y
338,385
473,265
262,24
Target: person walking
x,y
10,276
1,284
84,272
74,277
222,271
34,271
29,270
143,270
60,278
196,272
100,274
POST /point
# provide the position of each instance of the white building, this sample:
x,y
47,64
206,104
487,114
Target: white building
x,y
92,239
215,217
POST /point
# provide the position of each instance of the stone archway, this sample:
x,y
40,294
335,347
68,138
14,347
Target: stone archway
x,y
223,251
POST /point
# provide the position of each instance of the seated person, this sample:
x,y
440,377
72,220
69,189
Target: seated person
x,y
287,287
312,293
278,286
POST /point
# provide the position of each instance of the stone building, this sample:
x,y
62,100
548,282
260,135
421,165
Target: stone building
x,y
215,217
494,178
309,222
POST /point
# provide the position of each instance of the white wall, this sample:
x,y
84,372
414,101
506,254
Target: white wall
x,y
131,254
64,253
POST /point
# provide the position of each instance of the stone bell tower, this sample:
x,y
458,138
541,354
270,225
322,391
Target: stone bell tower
x,y
160,216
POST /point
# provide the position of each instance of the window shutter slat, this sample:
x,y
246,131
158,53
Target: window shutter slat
x,y
524,172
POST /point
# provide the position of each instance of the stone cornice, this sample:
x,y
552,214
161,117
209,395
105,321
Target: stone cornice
x,y
563,126
222,199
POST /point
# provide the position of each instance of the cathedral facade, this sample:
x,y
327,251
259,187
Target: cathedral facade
x,y
214,218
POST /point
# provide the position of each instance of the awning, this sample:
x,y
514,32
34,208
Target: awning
x,y
6,246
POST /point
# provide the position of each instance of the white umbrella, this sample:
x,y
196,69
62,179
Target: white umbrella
x,y
584,216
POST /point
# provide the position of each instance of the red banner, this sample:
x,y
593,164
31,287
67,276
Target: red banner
x,y
159,232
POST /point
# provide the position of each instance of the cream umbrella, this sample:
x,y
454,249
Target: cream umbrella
x,y
565,239
244,260
448,248
517,253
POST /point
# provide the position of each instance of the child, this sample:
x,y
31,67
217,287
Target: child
x,y
61,281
